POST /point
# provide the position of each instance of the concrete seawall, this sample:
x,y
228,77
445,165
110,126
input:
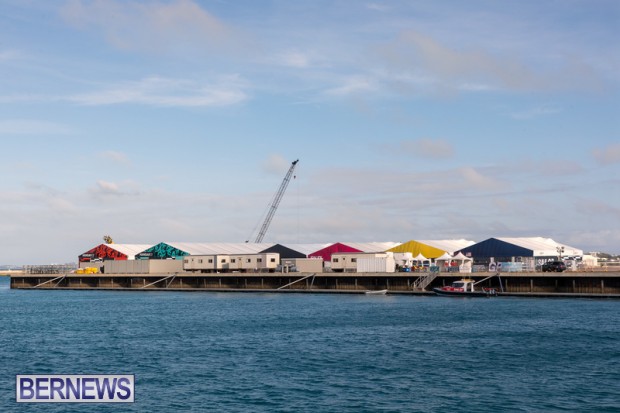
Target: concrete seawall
x,y
570,284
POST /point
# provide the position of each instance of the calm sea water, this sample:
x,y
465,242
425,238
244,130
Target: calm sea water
x,y
242,352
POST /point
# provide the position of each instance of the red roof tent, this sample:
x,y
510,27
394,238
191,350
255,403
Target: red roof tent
x,y
103,252
326,253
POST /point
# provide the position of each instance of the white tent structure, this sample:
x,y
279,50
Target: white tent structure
x,y
166,250
113,252
461,257
449,263
524,253
543,247
443,261
371,246
448,245
465,262
305,249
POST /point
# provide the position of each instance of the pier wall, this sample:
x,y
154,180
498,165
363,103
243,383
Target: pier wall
x,y
592,283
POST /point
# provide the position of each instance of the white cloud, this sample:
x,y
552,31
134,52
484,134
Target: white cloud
x,y
536,112
176,226
335,205
6,55
475,179
416,51
427,148
476,69
152,91
295,59
62,205
593,207
32,127
353,85
476,87
118,193
107,187
378,7
608,155
276,164
558,167
154,27
110,190
116,157
159,91
598,239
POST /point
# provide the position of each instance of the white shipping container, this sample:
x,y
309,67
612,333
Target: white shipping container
x,y
348,262
301,265
376,264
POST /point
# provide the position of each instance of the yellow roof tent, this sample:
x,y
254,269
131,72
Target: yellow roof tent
x,y
415,248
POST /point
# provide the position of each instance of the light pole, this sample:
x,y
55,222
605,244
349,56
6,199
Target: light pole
x,y
560,250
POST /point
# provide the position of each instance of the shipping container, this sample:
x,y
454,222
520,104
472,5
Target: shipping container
x,y
376,264
301,265
348,262
142,266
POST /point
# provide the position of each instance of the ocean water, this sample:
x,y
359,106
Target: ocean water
x,y
261,352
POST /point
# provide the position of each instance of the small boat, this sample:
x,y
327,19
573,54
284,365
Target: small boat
x,y
464,288
376,292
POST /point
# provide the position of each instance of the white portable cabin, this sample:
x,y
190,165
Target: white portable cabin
x,y
228,263
254,262
363,262
206,263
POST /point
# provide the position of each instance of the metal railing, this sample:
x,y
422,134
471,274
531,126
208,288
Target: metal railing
x,y
50,269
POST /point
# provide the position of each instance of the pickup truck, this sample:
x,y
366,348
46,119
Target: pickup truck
x,y
553,266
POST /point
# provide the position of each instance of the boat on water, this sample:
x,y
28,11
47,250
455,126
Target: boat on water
x,y
464,288
376,292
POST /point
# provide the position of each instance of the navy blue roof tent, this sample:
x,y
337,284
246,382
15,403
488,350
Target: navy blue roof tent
x,y
285,252
493,247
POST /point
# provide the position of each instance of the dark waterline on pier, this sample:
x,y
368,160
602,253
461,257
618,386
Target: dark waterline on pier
x,y
246,352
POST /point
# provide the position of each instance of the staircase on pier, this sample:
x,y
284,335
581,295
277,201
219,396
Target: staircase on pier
x,y
424,281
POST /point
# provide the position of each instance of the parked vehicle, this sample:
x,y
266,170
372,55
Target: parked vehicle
x,y
553,266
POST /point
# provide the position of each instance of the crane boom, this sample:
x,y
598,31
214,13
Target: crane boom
x,y
274,204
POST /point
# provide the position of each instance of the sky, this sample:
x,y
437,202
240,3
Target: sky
x,y
176,121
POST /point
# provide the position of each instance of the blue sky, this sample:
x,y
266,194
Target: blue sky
x,y
177,121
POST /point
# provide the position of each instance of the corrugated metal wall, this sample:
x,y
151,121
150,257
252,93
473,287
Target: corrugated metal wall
x,y
142,266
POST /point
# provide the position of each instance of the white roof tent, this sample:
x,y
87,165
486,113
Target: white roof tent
x,y
520,247
544,247
113,252
372,246
175,250
451,246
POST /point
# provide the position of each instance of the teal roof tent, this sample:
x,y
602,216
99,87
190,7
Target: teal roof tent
x,y
161,251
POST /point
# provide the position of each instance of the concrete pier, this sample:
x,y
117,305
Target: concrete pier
x,y
567,284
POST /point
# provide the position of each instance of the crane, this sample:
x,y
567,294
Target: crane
x,y
274,204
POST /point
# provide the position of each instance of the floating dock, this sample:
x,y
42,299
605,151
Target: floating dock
x,y
567,284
